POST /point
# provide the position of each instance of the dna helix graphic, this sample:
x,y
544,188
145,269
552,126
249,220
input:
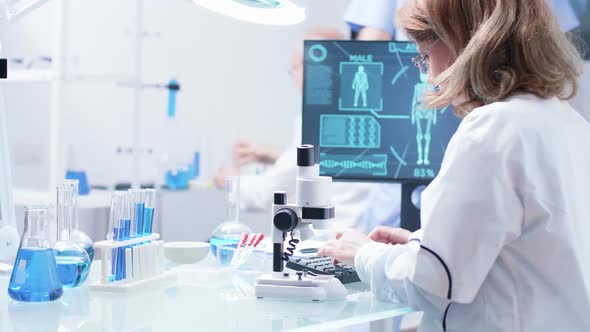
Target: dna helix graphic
x,y
348,164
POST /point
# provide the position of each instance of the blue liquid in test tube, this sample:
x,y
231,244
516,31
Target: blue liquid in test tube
x,y
126,228
148,220
115,254
139,207
148,217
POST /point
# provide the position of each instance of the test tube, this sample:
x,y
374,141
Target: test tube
x,y
125,217
125,224
119,204
129,264
107,277
232,187
138,205
148,213
117,201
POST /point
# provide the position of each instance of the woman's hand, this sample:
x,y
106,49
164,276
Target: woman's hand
x,y
245,152
345,247
347,244
390,235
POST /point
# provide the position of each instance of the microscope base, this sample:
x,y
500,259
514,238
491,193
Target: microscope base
x,y
318,288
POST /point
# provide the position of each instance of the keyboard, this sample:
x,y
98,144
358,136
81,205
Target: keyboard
x,y
325,266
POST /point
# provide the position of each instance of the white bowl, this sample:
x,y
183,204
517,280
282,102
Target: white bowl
x,y
186,252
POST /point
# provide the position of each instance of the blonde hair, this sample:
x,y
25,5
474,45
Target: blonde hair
x,y
501,47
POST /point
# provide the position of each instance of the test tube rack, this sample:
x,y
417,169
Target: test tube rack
x,y
147,269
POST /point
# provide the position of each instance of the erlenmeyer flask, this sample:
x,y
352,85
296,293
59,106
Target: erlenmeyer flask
x,y
73,263
230,232
77,235
34,276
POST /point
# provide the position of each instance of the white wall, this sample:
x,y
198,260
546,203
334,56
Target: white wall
x,y
234,78
233,75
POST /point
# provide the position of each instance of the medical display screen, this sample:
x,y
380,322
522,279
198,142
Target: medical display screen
x,y
361,106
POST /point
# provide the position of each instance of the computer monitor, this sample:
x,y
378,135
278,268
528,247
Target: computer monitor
x,y
582,10
361,106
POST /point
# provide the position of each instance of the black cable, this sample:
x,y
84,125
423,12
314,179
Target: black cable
x,y
291,248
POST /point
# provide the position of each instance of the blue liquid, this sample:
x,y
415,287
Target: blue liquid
x,y
139,218
83,186
226,254
34,277
71,268
172,99
114,260
148,219
126,228
215,241
118,267
90,251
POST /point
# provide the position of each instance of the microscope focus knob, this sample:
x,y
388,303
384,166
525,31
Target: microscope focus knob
x,y
285,220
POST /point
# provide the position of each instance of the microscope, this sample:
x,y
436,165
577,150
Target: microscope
x,y
312,207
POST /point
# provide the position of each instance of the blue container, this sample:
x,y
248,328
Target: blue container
x,y
196,164
172,91
72,268
34,277
83,187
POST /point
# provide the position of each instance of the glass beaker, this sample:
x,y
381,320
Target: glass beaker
x,y
77,235
231,231
34,276
73,263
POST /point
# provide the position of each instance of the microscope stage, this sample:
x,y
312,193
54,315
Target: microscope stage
x,y
292,286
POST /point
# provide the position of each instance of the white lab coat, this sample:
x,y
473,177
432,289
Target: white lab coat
x,y
351,200
504,243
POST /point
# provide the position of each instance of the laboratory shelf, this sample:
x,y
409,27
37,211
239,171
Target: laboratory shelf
x,y
97,199
30,76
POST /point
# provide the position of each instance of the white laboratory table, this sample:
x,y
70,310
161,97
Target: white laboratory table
x,y
205,298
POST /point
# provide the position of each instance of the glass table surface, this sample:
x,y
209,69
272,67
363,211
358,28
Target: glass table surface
x,y
204,298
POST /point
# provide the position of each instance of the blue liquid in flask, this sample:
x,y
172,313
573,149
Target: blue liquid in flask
x,y
71,268
81,239
90,251
216,241
34,277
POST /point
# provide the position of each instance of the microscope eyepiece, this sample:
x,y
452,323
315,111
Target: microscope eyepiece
x,y
280,197
306,155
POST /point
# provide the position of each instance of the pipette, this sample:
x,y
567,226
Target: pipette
x,y
243,257
240,248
